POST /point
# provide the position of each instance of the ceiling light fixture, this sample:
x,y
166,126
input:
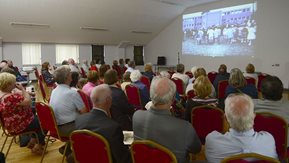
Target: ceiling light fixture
x,y
141,32
22,24
93,28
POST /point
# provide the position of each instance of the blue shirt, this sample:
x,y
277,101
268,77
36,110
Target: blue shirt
x,y
218,145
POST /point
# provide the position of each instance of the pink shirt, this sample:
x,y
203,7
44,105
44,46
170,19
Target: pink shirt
x,y
87,88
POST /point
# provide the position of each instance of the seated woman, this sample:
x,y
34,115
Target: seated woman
x,y
148,71
250,72
16,113
126,80
47,76
203,89
92,81
238,84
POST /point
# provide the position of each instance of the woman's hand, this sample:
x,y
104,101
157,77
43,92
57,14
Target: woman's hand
x,y
19,86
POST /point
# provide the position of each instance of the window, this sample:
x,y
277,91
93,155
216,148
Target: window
x,y
64,52
31,54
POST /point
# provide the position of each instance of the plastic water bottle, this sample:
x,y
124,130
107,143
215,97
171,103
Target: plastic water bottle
x,y
33,99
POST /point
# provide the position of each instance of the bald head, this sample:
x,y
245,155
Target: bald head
x,y
162,91
101,97
239,110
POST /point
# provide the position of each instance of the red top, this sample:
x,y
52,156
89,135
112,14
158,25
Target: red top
x,y
93,68
15,118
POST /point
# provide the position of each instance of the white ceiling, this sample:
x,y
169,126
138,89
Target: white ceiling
x,y
66,17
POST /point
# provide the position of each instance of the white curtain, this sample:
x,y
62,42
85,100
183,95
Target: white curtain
x,y
31,54
64,52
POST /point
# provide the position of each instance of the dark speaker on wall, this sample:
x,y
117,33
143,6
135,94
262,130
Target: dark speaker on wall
x,y
161,60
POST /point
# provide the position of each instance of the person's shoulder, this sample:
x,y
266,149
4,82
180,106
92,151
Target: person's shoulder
x,y
213,136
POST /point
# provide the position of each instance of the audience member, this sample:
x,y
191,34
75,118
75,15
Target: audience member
x,y
47,76
92,66
117,68
148,71
193,70
238,84
64,62
126,62
241,137
180,74
222,75
122,66
121,111
202,89
19,77
81,83
74,82
102,69
72,65
157,124
250,72
143,90
65,102
16,113
131,66
85,66
165,74
3,64
97,120
126,80
92,81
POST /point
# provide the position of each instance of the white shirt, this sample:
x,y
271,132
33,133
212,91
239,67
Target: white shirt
x,y
185,78
218,146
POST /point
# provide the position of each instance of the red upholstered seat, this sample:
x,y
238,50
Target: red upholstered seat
x,y
190,74
246,157
260,79
212,75
278,127
146,81
180,85
48,123
88,146
191,94
86,100
133,96
206,119
250,80
222,85
146,151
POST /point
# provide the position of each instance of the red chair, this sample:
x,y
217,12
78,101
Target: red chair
x,y
146,81
83,73
171,73
36,72
261,76
146,151
212,75
222,85
86,100
133,96
278,127
118,70
180,86
199,119
42,89
88,146
191,94
190,74
13,135
246,157
48,123
250,80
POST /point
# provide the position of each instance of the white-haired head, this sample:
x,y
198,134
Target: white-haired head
x,y
101,97
194,69
135,75
165,74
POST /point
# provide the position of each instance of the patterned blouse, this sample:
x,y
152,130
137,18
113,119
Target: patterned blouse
x,y
15,118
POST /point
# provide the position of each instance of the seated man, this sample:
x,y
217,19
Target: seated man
x,y
272,90
98,121
158,125
241,138
65,102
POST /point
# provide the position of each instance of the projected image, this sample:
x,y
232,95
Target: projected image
x,y
220,32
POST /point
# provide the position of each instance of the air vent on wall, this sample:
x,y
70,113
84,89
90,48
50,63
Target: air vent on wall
x,y
141,32
93,29
22,24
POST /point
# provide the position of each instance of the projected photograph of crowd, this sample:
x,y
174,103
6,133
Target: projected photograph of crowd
x,y
219,32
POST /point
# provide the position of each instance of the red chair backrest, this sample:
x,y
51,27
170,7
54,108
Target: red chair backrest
x,y
260,79
171,73
90,147
222,85
83,74
250,80
249,157
146,81
180,85
133,95
190,74
199,119
212,75
47,119
275,125
86,99
36,72
191,94
145,151
42,89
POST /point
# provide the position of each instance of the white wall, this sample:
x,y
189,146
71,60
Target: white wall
x,y
272,46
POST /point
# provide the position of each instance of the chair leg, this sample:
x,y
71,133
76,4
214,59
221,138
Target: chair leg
x,y
65,149
4,143
46,144
13,139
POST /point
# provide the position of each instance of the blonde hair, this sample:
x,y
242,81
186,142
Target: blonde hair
x,y
202,86
250,68
148,67
6,79
92,76
237,78
200,71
